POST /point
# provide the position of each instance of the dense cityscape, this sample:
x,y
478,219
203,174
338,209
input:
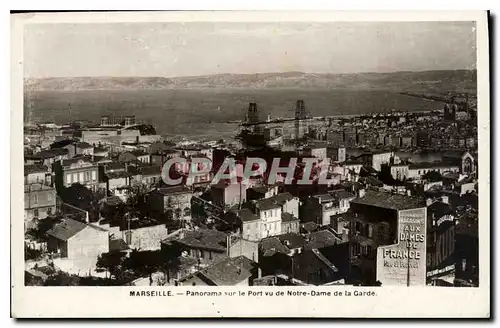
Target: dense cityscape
x,y
400,206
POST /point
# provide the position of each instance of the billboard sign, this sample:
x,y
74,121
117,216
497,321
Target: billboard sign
x,y
404,263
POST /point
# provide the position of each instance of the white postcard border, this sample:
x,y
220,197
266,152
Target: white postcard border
x,y
60,302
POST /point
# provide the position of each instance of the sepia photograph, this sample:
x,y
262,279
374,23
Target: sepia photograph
x,y
163,154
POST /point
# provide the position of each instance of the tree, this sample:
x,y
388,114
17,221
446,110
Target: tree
x,y
44,225
111,262
80,196
145,262
169,214
433,176
171,256
136,201
31,254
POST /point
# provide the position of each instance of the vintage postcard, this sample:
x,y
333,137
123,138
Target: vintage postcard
x,y
250,164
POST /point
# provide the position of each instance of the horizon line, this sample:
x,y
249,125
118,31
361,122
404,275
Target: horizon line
x,y
257,73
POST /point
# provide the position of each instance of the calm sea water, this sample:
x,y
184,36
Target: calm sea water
x,y
204,113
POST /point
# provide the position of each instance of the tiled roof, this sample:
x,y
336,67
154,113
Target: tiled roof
x,y
30,169
272,245
439,209
372,181
324,198
229,271
324,259
266,204
246,215
321,239
389,200
282,198
369,169
74,160
292,240
205,238
44,154
310,226
66,229
342,194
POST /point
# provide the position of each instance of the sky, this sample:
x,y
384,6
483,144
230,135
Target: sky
x,y
191,49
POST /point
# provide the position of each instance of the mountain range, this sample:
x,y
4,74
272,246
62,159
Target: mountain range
x,y
424,81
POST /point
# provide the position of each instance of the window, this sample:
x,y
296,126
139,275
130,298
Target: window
x,y
87,176
80,178
265,214
35,212
383,230
355,249
49,197
94,176
370,231
358,227
35,199
68,178
75,177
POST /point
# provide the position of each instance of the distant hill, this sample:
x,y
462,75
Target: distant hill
x,y
426,81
